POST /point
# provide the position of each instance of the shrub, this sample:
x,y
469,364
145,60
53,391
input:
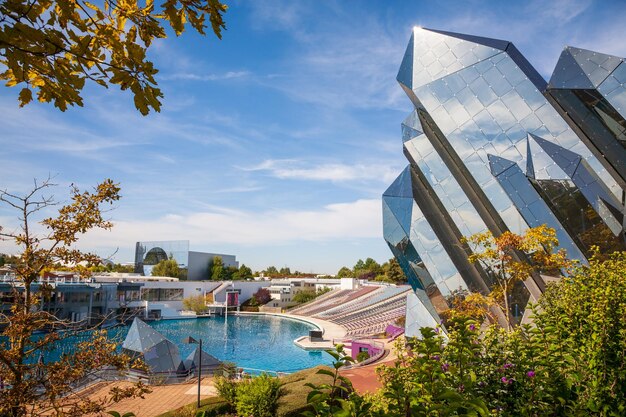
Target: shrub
x,y
258,397
261,297
227,389
362,356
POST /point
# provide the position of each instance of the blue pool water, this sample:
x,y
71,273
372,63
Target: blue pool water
x,y
256,342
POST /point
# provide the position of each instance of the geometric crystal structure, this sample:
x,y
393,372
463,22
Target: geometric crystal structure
x,y
493,147
158,353
209,362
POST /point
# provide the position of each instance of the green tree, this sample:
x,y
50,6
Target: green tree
x,y
195,303
33,386
243,273
167,268
304,296
53,47
285,271
271,271
394,272
217,270
344,272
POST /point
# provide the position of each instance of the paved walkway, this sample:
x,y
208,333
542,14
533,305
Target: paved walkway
x,y
162,398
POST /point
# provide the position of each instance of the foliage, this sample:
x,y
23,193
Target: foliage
x,y
117,414
111,267
216,268
285,271
261,297
394,272
54,46
470,305
33,385
328,399
582,320
7,259
390,271
242,273
195,303
510,259
270,271
258,397
167,268
344,272
570,363
362,356
304,296
308,295
227,389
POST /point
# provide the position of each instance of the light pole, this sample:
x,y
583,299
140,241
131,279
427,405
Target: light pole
x,y
190,340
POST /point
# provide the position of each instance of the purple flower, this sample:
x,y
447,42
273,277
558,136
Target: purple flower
x,y
445,367
472,327
530,374
481,383
462,388
437,330
435,357
508,365
505,380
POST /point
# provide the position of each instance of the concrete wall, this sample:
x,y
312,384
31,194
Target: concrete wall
x,y
247,288
199,264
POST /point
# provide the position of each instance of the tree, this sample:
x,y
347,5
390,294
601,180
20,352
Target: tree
x,y
195,303
243,273
216,269
271,270
167,268
304,296
261,297
34,386
344,272
285,271
55,46
394,272
500,257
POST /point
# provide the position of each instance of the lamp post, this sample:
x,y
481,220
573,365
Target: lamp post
x,y
190,340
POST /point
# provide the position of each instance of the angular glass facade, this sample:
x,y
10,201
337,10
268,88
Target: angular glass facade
x,y
492,146
194,265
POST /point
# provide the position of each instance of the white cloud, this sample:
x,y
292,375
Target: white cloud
x,y
218,226
190,76
293,169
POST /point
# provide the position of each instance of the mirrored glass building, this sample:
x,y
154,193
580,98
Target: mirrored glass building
x,y
492,146
194,265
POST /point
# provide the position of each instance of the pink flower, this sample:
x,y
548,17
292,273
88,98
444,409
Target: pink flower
x,y
530,374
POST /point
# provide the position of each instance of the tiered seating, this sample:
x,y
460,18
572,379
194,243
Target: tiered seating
x,y
379,325
352,302
382,293
362,312
354,318
332,299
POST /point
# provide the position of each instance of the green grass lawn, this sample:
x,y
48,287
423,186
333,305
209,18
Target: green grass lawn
x,y
291,404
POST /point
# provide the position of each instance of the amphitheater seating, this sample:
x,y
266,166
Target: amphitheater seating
x,y
362,312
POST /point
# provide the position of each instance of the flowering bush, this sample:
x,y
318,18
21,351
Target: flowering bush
x,y
571,362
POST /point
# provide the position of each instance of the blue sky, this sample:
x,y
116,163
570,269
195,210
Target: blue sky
x,y
276,143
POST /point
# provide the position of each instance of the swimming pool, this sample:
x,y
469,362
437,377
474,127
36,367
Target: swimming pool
x,y
260,342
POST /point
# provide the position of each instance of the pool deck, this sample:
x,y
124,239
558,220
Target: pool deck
x,y
331,331
163,398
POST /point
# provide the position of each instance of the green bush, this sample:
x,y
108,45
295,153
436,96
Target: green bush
x,y
362,356
227,389
571,362
258,397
